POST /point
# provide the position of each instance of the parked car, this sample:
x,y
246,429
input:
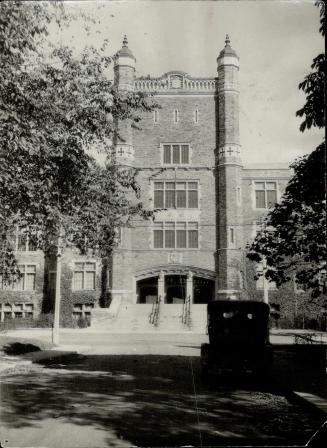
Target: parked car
x,y
238,338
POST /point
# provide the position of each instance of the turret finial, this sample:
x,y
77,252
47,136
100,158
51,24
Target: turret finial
x,y
125,41
227,40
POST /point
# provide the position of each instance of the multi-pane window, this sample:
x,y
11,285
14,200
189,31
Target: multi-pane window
x,y
177,154
175,235
84,275
82,310
21,241
24,243
175,194
26,282
265,194
16,311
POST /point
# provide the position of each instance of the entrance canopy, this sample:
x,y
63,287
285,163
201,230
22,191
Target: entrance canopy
x,y
175,284
175,270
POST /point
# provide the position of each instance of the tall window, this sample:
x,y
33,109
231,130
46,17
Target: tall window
x,y
175,195
175,235
196,116
24,243
155,116
176,116
84,275
265,194
21,241
231,237
26,282
176,154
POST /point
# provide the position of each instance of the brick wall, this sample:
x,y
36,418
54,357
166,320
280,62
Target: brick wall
x,y
136,252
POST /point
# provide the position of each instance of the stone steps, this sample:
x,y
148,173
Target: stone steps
x,y
135,318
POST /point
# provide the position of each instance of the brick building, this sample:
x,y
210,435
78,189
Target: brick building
x,y
189,158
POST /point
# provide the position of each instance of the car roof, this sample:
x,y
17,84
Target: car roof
x,y
217,305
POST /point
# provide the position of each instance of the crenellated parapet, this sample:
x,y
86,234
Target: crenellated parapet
x,y
175,82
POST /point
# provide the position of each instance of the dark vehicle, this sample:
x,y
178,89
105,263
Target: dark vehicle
x,y
238,338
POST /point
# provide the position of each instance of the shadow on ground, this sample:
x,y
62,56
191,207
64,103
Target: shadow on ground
x,y
150,401
18,348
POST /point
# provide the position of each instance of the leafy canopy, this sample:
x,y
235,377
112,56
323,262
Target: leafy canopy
x,y
56,113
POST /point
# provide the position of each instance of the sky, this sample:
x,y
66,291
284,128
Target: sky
x,y
275,40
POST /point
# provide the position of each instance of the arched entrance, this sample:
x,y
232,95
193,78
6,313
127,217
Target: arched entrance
x,y
173,284
147,290
175,288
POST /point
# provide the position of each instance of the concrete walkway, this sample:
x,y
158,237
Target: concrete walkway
x,y
188,343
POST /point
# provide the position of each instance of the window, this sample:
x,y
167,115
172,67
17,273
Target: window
x,y
176,116
155,116
84,275
231,237
82,310
175,195
196,116
24,243
26,282
16,311
260,281
265,194
176,154
239,196
175,235
21,241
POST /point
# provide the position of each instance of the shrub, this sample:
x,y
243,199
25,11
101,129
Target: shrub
x,y
82,322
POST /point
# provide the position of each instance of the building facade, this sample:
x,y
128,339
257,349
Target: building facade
x,y
209,206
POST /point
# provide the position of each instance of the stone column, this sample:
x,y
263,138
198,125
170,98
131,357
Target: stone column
x,y
189,286
161,286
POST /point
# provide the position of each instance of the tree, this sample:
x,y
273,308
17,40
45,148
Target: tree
x,y
54,114
293,239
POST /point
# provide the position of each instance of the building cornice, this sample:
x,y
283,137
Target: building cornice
x,y
176,82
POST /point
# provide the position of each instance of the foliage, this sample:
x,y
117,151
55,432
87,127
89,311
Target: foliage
x,y
313,86
54,113
293,239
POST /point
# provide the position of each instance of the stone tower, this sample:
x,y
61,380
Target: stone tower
x,y
229,168
124,74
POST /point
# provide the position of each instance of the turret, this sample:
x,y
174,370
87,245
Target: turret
x,y
124,68
229,149
229,174
124,74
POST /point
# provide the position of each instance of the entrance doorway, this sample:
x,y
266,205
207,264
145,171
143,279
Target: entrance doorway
x,y
147,290
175,288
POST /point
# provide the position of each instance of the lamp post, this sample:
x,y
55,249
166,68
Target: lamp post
x,y
265,282
56,318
